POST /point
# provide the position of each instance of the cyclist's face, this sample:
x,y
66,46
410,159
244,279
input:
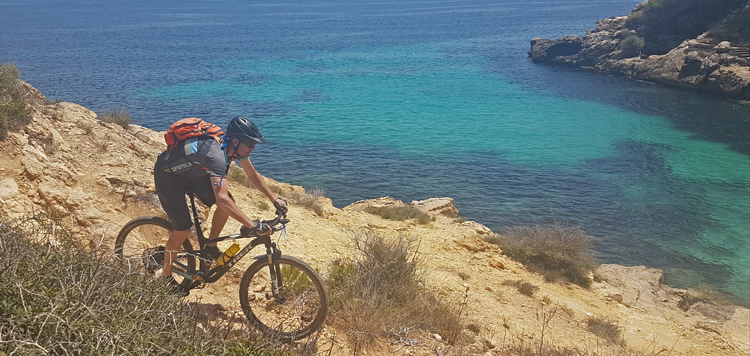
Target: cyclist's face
x,y
244,148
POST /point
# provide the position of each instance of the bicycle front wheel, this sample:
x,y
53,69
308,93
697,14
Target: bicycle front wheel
x,y
140,245
296,310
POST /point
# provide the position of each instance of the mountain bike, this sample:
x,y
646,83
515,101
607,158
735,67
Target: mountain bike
x,y
280,295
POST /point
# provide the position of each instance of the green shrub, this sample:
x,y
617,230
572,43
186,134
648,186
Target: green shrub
x,y
605,328
57,297
14,112
665,23
400,213
116,116
735,27
381,292
554,250
632,46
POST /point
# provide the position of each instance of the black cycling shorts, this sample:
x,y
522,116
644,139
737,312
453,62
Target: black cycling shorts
x,y
172,190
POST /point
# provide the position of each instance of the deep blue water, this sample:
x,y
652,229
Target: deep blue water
x,y
417,99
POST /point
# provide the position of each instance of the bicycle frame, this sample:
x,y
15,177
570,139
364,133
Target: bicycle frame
x,y
209,275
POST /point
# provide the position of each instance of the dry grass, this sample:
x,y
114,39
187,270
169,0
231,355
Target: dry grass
x,y
381,293
309,200
117,116
58,297
524,287
606,329
556,251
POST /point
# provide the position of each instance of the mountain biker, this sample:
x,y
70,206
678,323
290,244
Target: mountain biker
x,y
200,164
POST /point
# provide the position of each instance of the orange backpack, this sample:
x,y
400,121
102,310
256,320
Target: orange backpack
x,y
190,127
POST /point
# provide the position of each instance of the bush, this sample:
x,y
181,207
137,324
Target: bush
x,y
400,213
553,250
735,27
524,287
309,200
632,46
116,116
57,297
381,292
14,112
605,328
666,23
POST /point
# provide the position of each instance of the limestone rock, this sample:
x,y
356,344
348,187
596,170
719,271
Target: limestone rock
x,y
8,188
631,284
693,63
373,203
436,206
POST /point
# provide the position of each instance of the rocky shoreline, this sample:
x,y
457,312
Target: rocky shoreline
x,y
700,63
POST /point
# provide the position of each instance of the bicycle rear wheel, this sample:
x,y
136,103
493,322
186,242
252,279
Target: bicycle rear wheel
x,y
297,311
140,244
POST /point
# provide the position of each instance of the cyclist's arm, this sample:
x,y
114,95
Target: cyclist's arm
x,y
225,202
257,179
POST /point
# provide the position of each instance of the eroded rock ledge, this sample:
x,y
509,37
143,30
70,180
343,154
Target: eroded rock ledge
x,y
701,63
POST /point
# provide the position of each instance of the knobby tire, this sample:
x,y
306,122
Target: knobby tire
x,y
299,312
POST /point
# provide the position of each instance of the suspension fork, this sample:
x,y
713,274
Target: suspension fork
x,y
277,281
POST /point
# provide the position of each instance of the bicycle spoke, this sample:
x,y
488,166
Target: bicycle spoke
x,y
296,311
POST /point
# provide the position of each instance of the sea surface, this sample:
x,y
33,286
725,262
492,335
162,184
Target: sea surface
x,y
420,99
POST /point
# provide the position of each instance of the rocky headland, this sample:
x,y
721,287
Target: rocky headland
x,y
635,46
96,176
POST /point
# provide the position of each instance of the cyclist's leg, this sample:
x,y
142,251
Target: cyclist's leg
x,y
171,191
205,193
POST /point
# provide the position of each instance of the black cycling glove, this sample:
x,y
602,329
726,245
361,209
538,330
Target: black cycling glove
x,y
259,229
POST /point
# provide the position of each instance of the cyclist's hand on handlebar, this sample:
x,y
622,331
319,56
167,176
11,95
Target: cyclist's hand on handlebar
x,y
281,204
258,229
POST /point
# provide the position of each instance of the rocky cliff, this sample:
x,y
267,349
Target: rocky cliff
x,y
96,176
617,45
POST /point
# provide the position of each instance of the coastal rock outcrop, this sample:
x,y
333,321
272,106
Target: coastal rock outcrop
x,y
702,63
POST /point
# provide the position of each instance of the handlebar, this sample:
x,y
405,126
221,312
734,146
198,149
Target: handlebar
x,y
279,219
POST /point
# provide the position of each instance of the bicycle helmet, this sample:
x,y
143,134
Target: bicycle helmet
x,y
243,129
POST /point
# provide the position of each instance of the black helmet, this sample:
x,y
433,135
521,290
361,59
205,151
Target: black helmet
x,y
244,130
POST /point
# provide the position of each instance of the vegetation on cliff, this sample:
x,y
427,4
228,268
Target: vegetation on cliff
x,y
59,297
664,24
14,112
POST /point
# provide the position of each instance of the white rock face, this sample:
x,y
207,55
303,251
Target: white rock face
x,y
8,188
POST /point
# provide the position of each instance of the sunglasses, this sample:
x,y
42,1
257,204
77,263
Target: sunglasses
x,y
249,144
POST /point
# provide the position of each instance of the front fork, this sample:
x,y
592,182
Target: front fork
x,y
277,281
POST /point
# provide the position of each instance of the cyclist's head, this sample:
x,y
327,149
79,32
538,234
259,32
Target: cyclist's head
x,y
244,130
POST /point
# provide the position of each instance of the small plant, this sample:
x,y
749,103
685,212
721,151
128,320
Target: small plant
x,y
632,46
102,144
309,200
14,112
551,250
48,145
86,127
400,213
116,116
605,328
524,287
473,328
264,206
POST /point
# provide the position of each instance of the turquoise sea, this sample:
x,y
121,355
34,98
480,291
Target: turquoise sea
x,y
419,99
